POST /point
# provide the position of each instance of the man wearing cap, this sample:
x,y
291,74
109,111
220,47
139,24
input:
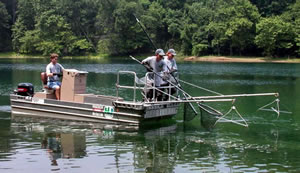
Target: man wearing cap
x,y
54,71
170,61
172,69
158,66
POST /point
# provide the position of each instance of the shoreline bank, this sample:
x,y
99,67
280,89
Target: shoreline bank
x,y
14,55
179,58
239,59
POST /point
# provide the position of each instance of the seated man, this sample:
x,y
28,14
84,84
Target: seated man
x,y
54,71
158,66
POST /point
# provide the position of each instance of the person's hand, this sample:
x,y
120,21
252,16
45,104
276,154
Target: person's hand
x,y
50,75
165,77
173,70
57,74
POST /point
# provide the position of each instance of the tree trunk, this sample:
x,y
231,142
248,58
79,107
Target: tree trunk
x,y
13,6
88,38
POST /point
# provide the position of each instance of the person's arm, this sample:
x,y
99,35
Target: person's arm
x,y
62,68
48,72
165,71
175,66
165,68
146,61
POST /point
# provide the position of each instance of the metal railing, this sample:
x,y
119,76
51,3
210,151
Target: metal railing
x,y
148,85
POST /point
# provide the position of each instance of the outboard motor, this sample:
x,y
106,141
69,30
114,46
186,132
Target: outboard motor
x,y
25,89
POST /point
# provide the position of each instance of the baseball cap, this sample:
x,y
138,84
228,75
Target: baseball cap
x,y
160,52
172,51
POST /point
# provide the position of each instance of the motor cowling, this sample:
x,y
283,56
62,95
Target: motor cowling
x,y
25,89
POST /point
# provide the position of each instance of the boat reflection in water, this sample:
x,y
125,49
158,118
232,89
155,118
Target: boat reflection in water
x,y
64,145
57,142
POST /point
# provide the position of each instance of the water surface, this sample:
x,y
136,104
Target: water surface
x,y
269,144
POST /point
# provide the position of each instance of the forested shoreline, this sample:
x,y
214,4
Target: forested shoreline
x,y
192,27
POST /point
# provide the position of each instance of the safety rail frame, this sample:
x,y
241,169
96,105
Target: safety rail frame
x,y
135,87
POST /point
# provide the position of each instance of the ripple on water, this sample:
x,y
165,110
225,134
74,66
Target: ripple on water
x,y
5,108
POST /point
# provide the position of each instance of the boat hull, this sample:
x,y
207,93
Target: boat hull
x,y
115,113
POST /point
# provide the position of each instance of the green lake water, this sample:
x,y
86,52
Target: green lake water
x,y
269,144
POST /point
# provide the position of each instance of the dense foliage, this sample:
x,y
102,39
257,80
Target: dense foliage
x,y
192,27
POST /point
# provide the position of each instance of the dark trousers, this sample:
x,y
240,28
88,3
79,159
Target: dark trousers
x,y
167,90
158,94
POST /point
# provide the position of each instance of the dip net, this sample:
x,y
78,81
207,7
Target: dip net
x,y
189,111
209,115
206,112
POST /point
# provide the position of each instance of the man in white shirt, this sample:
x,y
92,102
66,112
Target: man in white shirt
x,y
158,66
172,69
170,61
54,71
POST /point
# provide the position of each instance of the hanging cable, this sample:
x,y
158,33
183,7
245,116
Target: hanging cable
x,y
200,87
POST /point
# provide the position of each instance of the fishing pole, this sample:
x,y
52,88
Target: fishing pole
x,y
138,21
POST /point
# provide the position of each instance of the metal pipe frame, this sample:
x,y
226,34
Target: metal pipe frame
x,y
237,95
123,86
196,101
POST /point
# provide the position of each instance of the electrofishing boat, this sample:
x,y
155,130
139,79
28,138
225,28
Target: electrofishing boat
x,y
76,104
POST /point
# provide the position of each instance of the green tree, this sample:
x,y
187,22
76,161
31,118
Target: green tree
x,y
25,21
195,36
130,35
271,7
121,34
81,15
241,24
297,35
55,35
18,31
234,24
105,27
4,27
173,22
293,16
197,27
153,20
274,34
47,32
